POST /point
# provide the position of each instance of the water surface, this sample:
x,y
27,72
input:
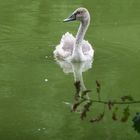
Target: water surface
x,y
33,88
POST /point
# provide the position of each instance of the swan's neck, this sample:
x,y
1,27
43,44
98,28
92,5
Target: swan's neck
x,y
77,54
81,32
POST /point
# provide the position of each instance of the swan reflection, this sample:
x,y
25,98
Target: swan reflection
x,y
81,98
77,69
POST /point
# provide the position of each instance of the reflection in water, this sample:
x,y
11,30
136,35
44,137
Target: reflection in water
x,y
82,102
77,69
81,96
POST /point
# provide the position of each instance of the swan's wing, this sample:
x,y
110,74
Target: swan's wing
x,y
68,41
65,48
87,48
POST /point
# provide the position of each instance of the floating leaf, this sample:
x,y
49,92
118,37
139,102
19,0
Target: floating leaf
x,y
110,104
86,109
98,118
114,115
97,83
98,88
85,93
77,104
126,114
129,98
136,122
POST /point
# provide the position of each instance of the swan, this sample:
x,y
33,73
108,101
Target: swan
x,y
75,49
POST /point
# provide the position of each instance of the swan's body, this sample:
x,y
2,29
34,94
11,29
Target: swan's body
x,y
76,49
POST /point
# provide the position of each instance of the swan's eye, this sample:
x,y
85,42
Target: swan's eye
x,y
78,12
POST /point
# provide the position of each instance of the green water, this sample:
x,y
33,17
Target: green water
x,y
33,88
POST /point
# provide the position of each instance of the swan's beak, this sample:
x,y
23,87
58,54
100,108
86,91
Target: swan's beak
x,y
70,18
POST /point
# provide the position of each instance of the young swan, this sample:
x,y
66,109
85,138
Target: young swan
x,y
76,49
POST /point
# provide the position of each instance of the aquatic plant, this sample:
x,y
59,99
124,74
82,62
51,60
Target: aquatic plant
x,y
83,102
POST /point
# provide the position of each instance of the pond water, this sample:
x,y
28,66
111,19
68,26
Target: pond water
x,y
36,94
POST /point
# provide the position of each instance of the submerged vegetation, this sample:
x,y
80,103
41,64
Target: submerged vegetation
x,y
82,104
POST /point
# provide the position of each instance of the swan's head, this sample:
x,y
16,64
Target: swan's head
x,y
80,14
